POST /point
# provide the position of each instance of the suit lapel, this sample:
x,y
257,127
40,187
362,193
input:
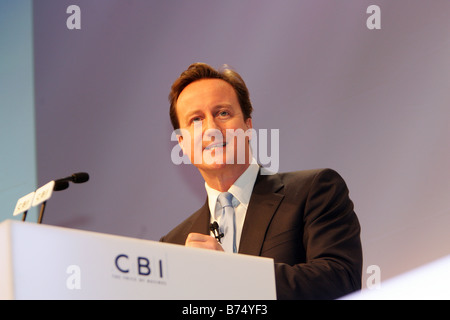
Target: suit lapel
x,y
201,222
263,204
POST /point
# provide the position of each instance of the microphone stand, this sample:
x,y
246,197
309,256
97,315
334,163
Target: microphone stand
x,y
59,185
41,213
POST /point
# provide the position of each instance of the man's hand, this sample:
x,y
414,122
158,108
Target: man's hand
x,y
198,240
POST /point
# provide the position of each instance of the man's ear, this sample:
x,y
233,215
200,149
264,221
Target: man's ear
x,y
248,123
180,142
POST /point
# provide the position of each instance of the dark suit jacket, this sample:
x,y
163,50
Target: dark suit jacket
x,y
305,221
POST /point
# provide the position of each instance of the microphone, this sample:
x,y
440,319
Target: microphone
x,y
214,227
78,177
62,184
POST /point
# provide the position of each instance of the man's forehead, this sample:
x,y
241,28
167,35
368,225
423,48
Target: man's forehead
x,y
206,93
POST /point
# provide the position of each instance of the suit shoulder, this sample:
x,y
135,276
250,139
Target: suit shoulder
x,y
321,180
311,175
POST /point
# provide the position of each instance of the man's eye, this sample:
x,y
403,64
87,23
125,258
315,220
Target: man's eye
x,y
223,113
196,119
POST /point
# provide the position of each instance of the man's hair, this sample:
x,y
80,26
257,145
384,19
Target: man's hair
x,y
199,71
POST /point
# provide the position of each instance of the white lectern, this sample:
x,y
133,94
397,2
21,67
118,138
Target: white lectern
x,y
47,262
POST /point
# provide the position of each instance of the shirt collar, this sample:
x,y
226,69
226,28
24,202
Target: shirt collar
x,y
241,189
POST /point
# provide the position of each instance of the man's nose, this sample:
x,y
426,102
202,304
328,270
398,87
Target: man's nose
x,y
210,123
211,128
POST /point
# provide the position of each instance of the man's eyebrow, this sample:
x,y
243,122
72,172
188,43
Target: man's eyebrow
x,y
214,109
221,105
189,114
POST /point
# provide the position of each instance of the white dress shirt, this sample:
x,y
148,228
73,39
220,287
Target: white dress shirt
x,y
241,191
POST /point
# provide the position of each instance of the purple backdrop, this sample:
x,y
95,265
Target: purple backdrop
x,y
372,104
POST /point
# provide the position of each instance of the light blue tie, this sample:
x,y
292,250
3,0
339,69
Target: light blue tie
x,y
228,222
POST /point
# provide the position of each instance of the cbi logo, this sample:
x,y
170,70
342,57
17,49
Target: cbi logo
x,y
140,268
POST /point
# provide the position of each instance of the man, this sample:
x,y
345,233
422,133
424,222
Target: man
x,y
303,220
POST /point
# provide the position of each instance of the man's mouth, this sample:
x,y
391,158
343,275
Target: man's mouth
x,y
216,145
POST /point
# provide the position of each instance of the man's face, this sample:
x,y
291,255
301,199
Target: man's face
x,y
207,109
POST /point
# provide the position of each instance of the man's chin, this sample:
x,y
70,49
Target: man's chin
x,y
211,166
219,161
